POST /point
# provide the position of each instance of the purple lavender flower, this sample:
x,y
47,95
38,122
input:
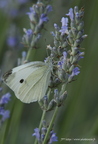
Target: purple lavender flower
x,y
64,55
60,64
31,14
53,137
75,71
56,26
5,98
43,18
3,3
40,137
70,14
80,55
37,134
64,28
77,14
5,114
29,32
12,41
53,34
11,8
49,8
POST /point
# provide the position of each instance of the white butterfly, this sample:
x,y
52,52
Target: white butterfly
x,y
29,81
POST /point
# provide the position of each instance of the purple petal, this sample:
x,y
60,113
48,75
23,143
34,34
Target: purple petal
x,y
5,98
70,14
49,8
37,133
5,114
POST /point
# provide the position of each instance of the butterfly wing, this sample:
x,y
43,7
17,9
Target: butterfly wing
x,y
25,80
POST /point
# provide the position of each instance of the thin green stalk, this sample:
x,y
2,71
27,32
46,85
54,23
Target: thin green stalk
x,y
54,116
43,115
31,54
44,111
42,118
50,126
28,54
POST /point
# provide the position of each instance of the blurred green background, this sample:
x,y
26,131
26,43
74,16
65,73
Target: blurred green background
x,y
78,117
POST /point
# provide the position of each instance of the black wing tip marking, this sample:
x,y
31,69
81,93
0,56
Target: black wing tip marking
x,y
7,74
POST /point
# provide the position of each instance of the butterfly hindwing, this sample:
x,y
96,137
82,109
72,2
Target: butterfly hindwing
x,y
37,90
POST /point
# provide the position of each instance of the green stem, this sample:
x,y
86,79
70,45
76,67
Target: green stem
x,y
43,115
31,54
28,54
50,126
42,118
44,112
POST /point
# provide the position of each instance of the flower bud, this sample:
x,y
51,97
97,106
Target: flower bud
x,y
81,25
76,9
42,137
61,74
63,96
70,39
44,130
72,24
74,31
51,105
77,18
56,43
56,93
74,51
57,100
41,7
54,50
44,123
77,42
71,68
70,33
60,50
84,36
64,45
80,33
75,59
45,100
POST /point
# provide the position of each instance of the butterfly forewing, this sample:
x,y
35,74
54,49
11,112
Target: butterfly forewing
x,y
29,81
21,72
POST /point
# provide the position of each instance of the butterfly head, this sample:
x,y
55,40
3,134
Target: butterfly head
x,y
6,75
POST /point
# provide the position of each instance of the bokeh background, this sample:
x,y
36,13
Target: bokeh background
x,y
78,117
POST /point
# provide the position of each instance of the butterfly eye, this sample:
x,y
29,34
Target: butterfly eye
x,y
21,81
